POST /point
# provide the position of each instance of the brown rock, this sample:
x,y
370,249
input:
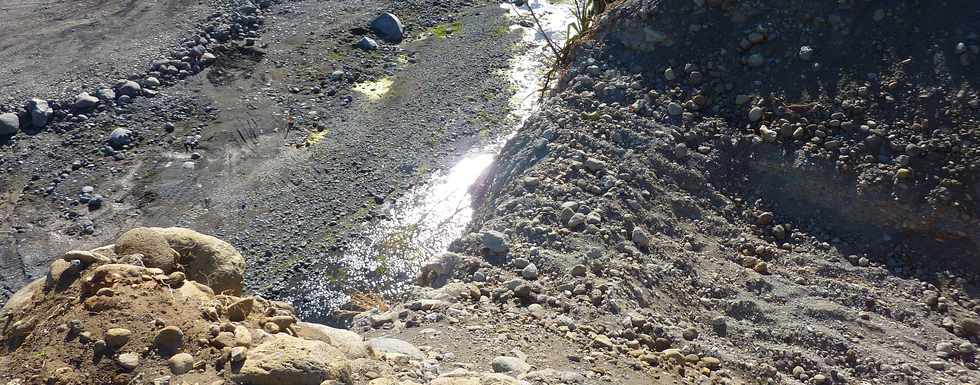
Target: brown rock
x,y
240,310
169,339
115,338
156,252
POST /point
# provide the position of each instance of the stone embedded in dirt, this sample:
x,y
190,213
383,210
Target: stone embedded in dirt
x,y
578,271
388,27
352,344
641,238
224,339
495,242
9,124
391,347
151,82
120,137
85,257
243,337
156,252
207,259
169,339
674,109
367,44
530,272
115,338
181,363
237,355
755,113
239,310
510,365
602,341
40,112
284,359
128,361
594,165
85,102
105,94
129,88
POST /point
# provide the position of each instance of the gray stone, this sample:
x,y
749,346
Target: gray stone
x,y
120,137
151,82
641,238
530,272
85,102
40,112
367,44
181,363
129,88
9,123
388,27
106,94
806,53
510,365
495,242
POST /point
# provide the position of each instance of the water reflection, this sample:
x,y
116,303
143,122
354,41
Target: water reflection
x,y
422,223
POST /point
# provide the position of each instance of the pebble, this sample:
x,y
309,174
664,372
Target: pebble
x,y
181,363
9,124
367,44
128,361
115,338
755,113
530,272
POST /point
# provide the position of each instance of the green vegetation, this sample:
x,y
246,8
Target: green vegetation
x,y
443,31
501,30
586,13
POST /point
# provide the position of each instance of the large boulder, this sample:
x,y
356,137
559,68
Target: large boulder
x,y
21,301
207,259
392,347
40,112
284,359
9,123
154,247
352,344
388,27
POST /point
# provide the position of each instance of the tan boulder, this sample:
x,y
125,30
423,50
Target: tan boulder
x,y
283,359
351,343
153,246
207,259
22,300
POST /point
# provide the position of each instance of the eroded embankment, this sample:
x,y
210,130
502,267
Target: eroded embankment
x,y
732,181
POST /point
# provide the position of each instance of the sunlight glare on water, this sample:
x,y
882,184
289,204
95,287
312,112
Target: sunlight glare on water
x,y
423,222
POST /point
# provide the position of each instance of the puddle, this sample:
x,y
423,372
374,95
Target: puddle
x,y
374,90
423,222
